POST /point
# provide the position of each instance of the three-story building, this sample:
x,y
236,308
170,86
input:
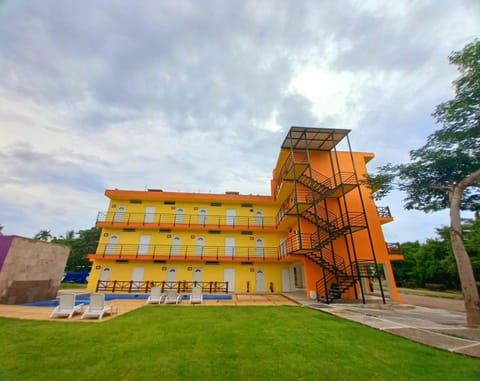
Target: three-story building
x,y
318,231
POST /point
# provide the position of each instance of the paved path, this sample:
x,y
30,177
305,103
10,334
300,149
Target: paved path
x,y
437,322
434,302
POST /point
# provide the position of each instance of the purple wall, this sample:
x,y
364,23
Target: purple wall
x,y
5,243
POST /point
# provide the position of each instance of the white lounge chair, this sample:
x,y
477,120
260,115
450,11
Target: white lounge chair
x,y
196,297
156,296
173,297
66,306
97,307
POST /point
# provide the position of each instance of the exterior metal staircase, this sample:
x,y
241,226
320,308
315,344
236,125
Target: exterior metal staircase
x,y
324,187
338,278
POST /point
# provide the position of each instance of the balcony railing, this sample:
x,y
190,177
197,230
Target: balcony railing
x,y
299,158
300,196
145,286
393,248
192,252
185,220
331,183
384,211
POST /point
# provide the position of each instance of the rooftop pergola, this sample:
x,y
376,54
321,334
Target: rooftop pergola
x,y
314,139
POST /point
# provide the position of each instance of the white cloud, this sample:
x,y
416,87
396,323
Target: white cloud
x,y
197,96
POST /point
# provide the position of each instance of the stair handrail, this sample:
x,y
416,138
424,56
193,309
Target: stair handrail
x,y
330,218
331,278
290,161
334,181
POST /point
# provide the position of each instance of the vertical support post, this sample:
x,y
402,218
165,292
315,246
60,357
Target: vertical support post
x,y
366,219
348,219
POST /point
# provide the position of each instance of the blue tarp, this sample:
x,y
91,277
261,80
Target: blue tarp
x,y
76,276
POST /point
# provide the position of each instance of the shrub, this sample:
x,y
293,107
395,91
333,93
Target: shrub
x,y
435,287
410,284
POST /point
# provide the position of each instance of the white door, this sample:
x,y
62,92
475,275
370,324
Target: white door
x,y
260,280
202,216
171,277
137,278
105,274
259,217
144,244
231,216
197,275
179,215
259,247
283,246
111,247
119,215
230,246
149,214
175,249
172,274
200,246
298,275
285,280
229,276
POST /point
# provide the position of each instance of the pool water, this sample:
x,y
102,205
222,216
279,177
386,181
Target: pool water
x,y
85,299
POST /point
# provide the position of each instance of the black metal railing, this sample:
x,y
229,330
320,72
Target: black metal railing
x,y
300,196
384,211
393,247
194,252
335,283
298,158
324,185
132,286
321,185
185,220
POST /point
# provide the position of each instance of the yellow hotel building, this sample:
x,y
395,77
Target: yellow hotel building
x,y
319,231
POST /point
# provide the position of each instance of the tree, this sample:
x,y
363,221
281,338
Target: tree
x,y
1,229
43,235
86,242
445,172
472,243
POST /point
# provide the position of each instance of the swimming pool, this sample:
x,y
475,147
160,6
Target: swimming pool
x,y
85,298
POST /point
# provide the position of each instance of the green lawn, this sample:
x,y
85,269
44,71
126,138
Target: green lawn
x,y
72,285
219,343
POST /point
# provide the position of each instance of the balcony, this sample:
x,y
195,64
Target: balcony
x,y
293,167
384,214
169,220
395,251
189,253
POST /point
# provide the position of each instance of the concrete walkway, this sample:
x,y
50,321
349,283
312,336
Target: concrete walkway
x,y
437,322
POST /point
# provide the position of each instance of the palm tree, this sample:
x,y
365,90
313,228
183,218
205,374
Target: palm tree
x,y
43,235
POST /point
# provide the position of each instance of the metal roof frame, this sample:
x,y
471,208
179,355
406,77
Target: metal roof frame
x,y
313,138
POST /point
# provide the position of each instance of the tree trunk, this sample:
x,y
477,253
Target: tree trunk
x,y
465,271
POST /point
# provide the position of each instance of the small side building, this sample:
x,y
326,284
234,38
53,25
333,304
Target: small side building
x,y
30,270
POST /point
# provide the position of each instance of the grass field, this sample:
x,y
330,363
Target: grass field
x,y
219,343
72,285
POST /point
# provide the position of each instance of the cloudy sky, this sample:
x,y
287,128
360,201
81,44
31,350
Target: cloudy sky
x,y
198,95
